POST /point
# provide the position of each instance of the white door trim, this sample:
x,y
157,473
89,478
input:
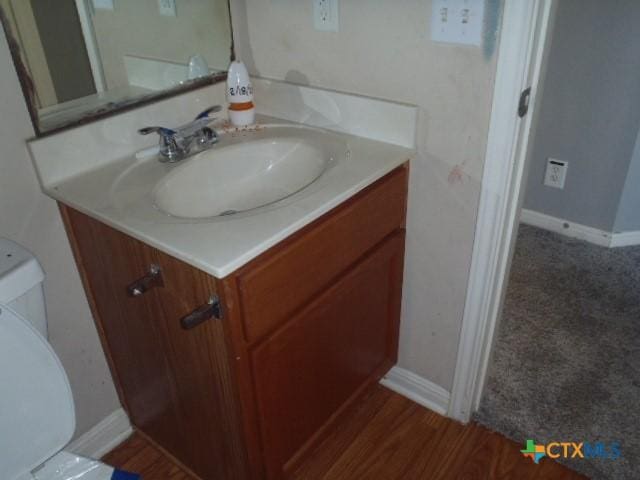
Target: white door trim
x,y
522,41
85,12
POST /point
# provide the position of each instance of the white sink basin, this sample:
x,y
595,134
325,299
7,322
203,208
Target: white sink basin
x,y
245,171
226,180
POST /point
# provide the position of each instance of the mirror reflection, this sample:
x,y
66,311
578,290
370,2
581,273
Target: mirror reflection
x,y
82,58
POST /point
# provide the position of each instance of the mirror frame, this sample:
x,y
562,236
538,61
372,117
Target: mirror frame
x,y
28,89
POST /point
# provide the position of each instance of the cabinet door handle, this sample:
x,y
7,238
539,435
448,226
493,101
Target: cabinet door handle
x,y
150,280
211,309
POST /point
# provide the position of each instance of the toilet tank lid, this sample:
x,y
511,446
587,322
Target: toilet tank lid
x,y
19,271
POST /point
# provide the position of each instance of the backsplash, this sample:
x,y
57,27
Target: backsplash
x,y
367,117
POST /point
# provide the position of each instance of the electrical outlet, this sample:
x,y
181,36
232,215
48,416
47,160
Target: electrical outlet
x,y
556,173
325,15
167,8
103,4
457,21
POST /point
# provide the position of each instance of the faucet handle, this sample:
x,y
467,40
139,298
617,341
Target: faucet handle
x,y
205,136
199,123
169,148
208,111
162,131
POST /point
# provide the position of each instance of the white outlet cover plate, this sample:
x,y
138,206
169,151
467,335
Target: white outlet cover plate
x,y
457,21
556,173
325,15
167,8
103,5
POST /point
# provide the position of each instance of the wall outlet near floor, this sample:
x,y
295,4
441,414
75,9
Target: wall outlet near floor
x,y
167,8
556,173
103,4
457,21
325,15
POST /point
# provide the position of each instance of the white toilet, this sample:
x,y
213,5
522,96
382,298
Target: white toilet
x,y
37,416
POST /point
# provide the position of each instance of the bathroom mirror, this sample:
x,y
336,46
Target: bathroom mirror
x,y
79,60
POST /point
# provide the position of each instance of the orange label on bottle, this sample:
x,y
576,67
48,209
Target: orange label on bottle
x,y
238,107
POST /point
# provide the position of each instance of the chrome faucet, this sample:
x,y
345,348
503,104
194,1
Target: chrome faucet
x,y
179,143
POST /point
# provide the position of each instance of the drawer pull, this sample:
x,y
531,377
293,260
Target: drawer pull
x,y
150,280
211,309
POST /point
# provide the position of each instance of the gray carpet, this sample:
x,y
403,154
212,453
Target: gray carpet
x,y
566,362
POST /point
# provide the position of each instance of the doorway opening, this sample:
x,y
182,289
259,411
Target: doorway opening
x,y
564,363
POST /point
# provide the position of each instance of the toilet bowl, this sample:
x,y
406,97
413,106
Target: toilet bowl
x,y
37,414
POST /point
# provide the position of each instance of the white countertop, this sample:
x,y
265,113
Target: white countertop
x,y
223,244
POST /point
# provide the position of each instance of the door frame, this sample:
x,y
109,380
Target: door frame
x,y
25,31
524,36
85,14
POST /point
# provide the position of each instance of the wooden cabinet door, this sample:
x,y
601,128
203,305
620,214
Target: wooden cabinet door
x,y
198,363
108,262
175,384
338,344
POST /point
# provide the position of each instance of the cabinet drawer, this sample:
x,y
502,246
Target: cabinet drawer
x,y
274,285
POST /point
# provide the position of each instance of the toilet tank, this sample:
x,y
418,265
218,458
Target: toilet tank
x,y
21,278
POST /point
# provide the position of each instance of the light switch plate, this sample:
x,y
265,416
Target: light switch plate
x,y
325,15
457,21
103,5
167,8
556,173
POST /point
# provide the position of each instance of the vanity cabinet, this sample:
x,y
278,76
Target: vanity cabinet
x,y
304,329
176,385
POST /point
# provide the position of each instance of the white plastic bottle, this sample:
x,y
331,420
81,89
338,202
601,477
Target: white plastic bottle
x,y
242,111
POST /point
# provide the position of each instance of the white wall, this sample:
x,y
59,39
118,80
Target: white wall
x,y
384,50
32,219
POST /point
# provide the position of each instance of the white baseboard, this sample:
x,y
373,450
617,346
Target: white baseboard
x,y
418,389
565,227
625,239
582,232
103,437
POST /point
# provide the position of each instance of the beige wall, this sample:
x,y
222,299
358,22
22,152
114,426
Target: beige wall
x,y
30,218
384,50
136,27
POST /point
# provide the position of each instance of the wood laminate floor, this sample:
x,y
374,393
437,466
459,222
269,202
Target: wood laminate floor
x,y
387,437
